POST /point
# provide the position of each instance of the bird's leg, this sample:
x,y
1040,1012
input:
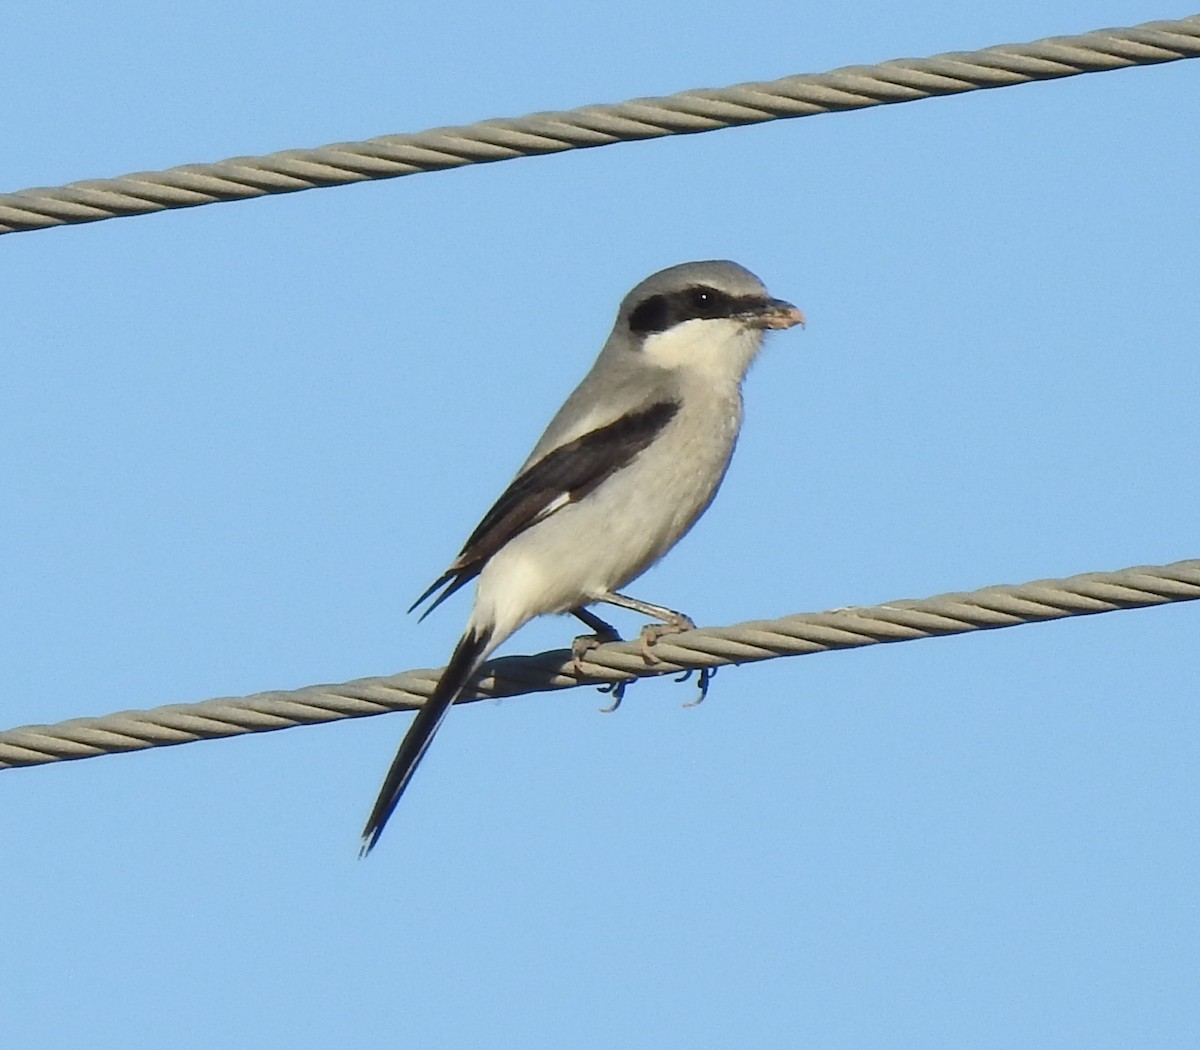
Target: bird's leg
x,y
602,632
672,622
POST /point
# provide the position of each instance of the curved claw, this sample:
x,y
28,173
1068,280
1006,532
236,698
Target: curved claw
x,y
618,694
707,674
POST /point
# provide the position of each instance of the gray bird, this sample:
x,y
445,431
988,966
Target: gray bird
x,y
624,469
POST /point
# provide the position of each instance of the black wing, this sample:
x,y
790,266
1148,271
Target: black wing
x,y
559,478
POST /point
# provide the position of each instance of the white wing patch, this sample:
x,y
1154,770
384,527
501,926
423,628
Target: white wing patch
x,y
559,501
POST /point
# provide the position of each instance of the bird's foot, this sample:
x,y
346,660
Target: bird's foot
x,y
585,643
652,632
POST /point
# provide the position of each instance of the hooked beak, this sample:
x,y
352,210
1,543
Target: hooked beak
x,y
776,313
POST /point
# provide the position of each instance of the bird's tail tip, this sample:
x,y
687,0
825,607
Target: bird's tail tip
x,y
470,652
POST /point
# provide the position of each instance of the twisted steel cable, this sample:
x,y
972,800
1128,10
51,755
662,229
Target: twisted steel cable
x,y
946,614
689,112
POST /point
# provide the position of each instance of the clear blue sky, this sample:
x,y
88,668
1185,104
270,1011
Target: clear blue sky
x,y
237,441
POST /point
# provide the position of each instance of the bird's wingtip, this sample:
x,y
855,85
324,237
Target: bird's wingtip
x,y
451,581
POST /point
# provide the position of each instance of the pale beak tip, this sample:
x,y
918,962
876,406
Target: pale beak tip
x,y
784,315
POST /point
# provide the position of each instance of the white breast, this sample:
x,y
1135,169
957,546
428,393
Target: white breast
x,y
633,518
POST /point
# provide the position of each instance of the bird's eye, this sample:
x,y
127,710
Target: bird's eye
x,y
703,301
659,312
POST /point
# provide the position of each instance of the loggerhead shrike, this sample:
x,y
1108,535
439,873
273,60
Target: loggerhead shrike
x,y
624,469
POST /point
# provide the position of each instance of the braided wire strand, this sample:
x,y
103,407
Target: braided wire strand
x,y
689,112
897,621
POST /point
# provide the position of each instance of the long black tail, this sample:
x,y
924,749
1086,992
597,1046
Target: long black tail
x,y
467,656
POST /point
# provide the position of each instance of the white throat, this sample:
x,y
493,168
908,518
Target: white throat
x,y
717,350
